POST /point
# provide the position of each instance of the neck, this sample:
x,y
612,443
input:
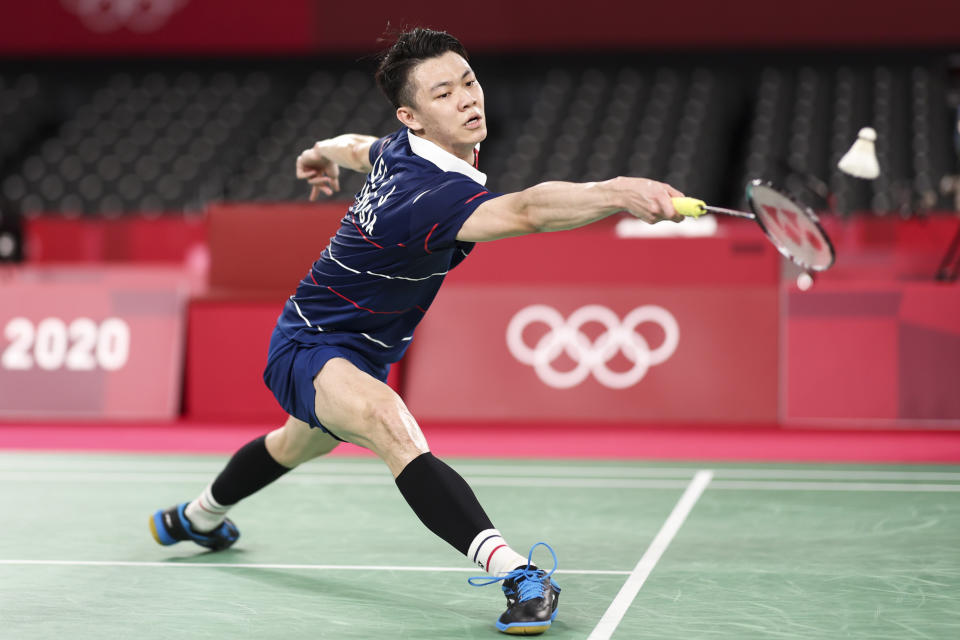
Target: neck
x,y
466,156
464,152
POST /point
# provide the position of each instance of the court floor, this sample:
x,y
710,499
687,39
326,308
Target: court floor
x,y
646,550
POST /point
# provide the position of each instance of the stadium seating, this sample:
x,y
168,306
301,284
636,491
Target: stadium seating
x,y
167,137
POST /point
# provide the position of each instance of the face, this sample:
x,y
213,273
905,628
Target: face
x,y
448,105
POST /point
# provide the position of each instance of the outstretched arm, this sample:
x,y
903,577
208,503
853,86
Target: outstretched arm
x,y
555,206
320,164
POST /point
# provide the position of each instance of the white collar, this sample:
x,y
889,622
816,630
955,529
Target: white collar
x,y
443,159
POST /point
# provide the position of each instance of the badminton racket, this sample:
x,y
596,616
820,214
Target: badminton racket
x,y
792,228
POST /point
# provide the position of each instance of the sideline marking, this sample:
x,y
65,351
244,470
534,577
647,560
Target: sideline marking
x,y
615,612
384,479
309,567
46,464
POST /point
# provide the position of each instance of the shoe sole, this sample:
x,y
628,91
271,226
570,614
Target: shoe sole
x,y
527,628
156,525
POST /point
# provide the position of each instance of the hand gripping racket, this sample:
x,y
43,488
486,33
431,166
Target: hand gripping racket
x,y
792,228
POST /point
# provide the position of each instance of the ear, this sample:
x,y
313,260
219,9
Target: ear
x,y
408,118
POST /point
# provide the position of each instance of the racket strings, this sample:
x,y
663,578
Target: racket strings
x,y
792,228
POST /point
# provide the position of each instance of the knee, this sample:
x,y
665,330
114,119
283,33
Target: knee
x,y
293,444
320,445
392,427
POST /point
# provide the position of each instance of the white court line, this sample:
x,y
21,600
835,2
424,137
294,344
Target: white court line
x,y
45,465
383,479
834,486
687,473
293,567
615,612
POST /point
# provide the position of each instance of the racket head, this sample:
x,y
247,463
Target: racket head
x,y
794,229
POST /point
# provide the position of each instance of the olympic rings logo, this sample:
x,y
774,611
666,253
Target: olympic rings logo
x,y
104,16
565,336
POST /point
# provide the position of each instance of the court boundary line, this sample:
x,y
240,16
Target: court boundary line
x,y
492,481
602,470
293,567
635,581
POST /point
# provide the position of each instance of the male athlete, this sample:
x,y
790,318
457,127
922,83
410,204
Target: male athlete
x,y
418,215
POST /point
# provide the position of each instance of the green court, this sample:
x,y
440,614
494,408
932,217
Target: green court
x,y
646,550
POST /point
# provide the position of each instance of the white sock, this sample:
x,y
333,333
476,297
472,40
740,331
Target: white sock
x,y
490,552
205,513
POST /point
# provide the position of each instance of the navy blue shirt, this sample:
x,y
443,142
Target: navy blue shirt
x,y
379,274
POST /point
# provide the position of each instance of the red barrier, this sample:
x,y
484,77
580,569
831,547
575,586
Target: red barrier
x,y
60,27
875,249
583,325
508,25
258,254
885,352
53,239
738,255
91,342
874,354
226,353
65,27
267,248
700,353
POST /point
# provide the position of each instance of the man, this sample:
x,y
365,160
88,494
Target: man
x,y
421,210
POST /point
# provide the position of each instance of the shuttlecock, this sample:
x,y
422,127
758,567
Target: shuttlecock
x,y
861,160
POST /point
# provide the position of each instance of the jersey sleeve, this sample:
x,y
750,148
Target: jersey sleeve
x,y
439,211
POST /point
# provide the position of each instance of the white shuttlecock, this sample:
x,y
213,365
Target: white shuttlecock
x,y
861,160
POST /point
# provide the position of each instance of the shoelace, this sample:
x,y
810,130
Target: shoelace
x,y
530,581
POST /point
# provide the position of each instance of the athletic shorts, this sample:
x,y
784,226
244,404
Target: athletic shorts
x,y
292,366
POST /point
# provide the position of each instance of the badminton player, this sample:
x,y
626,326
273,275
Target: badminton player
x,y
423,206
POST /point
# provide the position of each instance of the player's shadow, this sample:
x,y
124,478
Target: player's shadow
x,y
317,583
384,592
403,604
208,556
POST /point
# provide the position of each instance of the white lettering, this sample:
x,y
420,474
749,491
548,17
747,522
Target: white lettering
x,y
384,198
20,333
369,197
83,345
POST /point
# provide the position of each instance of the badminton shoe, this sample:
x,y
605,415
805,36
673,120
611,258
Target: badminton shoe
x,y
171,526
532,597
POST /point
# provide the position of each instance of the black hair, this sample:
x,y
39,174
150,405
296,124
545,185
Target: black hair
x,y
410,49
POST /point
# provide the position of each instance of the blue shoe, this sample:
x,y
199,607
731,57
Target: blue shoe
x,y
171,526
532,597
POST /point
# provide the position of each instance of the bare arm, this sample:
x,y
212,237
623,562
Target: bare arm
x,y
320,164
555,206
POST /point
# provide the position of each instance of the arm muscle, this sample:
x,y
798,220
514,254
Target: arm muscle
x,y
349,150
555,206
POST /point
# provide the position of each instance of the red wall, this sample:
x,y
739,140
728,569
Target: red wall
x,y
267,248
226,353
92,341
720,292
258,254
875,341
62,27
723,367
174,238
872,352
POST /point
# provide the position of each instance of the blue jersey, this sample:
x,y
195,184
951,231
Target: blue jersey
x,y
378,275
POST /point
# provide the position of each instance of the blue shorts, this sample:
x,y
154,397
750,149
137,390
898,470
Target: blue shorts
x,y
292,366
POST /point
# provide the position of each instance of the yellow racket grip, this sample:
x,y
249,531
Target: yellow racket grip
x,y
690,207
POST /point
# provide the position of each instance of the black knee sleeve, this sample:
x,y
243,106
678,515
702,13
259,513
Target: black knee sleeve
x,y
250,469
443,501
